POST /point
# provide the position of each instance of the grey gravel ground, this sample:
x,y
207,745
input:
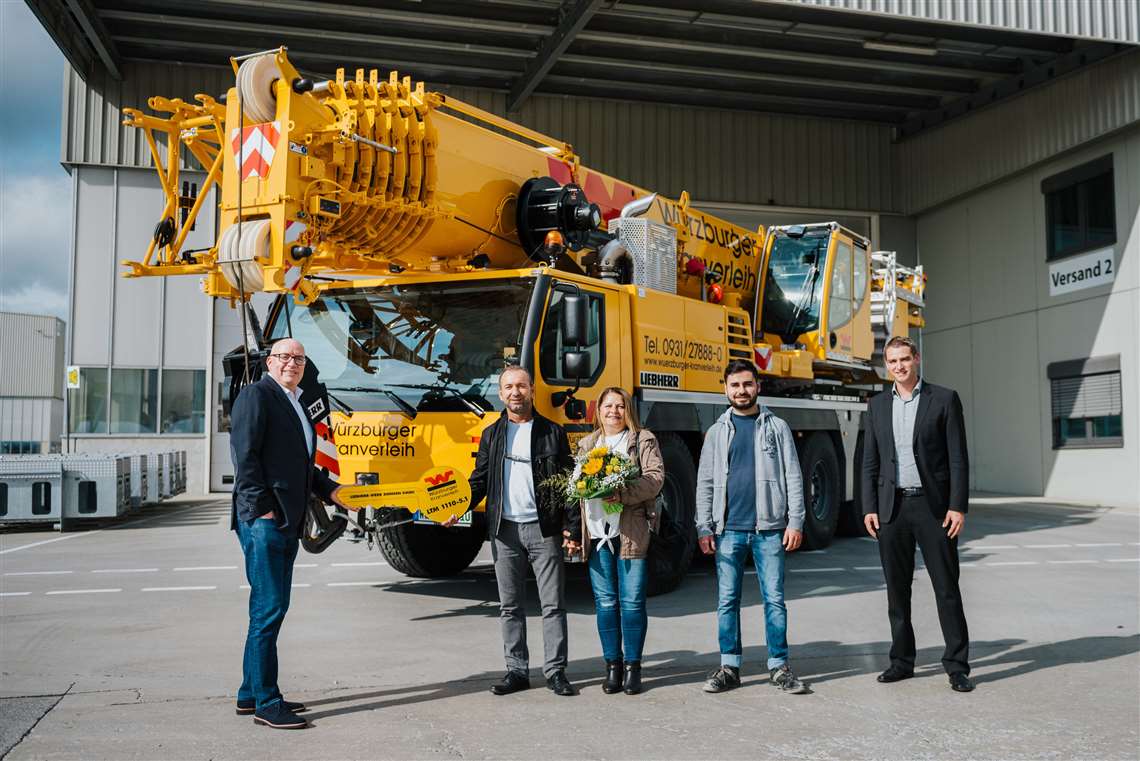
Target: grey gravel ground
x,y
397,668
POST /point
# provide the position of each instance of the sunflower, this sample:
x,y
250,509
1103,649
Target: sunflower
x,y
592,466
599,452
581,486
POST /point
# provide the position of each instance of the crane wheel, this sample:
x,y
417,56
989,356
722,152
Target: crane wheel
x,y
671,547
430,552
820,466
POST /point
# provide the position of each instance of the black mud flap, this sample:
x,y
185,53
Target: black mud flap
x,y
320,528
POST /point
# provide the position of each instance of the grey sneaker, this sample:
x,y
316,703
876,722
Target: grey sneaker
x,y
724,678
783,678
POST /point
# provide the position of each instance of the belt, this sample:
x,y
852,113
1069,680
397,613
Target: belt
x,y
910,491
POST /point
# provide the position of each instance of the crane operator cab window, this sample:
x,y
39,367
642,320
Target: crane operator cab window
x,y
793,292
552,346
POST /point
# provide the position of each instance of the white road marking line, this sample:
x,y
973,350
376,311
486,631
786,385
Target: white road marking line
x,y
1015,562
206,568
244,586
36,573
1101,544
126,570
991,547
296,586
1122,560
354,583
868,568
14,594
1045,546
346,565
1071,562
80,591
974,564
305,565
815,570
175,589
134,522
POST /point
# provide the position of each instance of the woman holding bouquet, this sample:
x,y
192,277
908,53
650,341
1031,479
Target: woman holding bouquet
x,y
616,528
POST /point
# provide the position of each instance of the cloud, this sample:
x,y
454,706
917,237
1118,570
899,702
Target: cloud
x,y
35,243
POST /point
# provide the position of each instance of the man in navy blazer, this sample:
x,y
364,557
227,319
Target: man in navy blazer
x,y
916,481
272,444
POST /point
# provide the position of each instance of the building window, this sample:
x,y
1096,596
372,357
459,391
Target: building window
x,y
19,447
88,404
134,401
1087,403
183,401
1080,209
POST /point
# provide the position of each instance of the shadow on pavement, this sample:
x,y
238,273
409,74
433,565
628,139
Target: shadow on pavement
x,y
814,662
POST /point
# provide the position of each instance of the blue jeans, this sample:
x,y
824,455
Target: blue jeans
x,y
269,555
767,549
619,583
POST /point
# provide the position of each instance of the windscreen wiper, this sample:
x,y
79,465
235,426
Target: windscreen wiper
x,y
471,404
399,401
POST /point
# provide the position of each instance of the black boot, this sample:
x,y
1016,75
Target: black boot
x,y
633,678
614,676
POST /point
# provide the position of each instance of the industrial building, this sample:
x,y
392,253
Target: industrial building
x,y
996,143
31,384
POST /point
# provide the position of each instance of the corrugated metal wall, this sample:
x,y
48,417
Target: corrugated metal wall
x,y
31,420
1117,20
727,156
965,154
31,348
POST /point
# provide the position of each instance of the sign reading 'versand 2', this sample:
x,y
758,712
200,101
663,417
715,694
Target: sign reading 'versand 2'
x,y
1079,272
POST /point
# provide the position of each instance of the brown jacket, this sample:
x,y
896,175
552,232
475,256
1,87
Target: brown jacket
x,y
638,499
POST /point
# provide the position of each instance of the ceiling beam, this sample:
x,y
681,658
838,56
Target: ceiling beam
x,y
58,22
575,18
97,35
1083,56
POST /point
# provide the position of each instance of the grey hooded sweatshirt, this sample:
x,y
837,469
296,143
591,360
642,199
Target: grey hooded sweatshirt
x,y
779,483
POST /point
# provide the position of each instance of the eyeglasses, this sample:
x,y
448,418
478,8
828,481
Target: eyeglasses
x,y
297,359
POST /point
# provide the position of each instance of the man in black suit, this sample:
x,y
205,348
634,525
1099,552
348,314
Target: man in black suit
x,y
272,444
916,479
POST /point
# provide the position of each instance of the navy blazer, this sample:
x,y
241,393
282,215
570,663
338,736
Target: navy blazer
x,y
273,469
939,452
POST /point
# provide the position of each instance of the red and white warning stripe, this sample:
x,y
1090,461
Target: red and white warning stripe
x,y
763,356
325,455
255,146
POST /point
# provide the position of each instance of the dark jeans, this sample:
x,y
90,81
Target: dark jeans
x,y
913,522
619,584
518,546
269,555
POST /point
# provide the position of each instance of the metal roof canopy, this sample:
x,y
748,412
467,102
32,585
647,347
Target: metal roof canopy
x,y
735,54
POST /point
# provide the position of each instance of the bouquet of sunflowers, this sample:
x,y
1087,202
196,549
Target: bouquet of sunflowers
x,y
598,473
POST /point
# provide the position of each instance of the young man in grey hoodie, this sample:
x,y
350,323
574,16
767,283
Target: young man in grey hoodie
x,y
749,499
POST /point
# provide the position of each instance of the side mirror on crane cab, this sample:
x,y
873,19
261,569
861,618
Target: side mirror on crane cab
x,y
574,320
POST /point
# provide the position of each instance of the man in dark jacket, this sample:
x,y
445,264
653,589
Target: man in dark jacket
x,y
916,479
525,523
272,444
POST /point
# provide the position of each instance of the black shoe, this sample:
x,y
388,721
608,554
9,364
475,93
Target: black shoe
x,y
277,716
784,678
559,684
724,678
959,682
247,707
633,678
514,681
894,674
615,675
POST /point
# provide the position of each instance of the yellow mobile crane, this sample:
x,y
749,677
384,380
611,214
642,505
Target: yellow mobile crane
x,y
418,244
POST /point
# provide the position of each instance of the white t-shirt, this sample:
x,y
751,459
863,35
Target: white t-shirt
x,y
518,478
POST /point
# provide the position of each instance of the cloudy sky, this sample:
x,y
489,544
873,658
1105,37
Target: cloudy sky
x,y
35,191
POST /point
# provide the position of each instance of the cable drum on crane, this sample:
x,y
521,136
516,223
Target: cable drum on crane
x,y
255,78
238,254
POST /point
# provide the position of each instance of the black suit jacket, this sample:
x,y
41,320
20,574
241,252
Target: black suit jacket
x,y
549,455
273,469
939,452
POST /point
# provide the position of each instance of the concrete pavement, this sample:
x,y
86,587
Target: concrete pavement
x,y
126,643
